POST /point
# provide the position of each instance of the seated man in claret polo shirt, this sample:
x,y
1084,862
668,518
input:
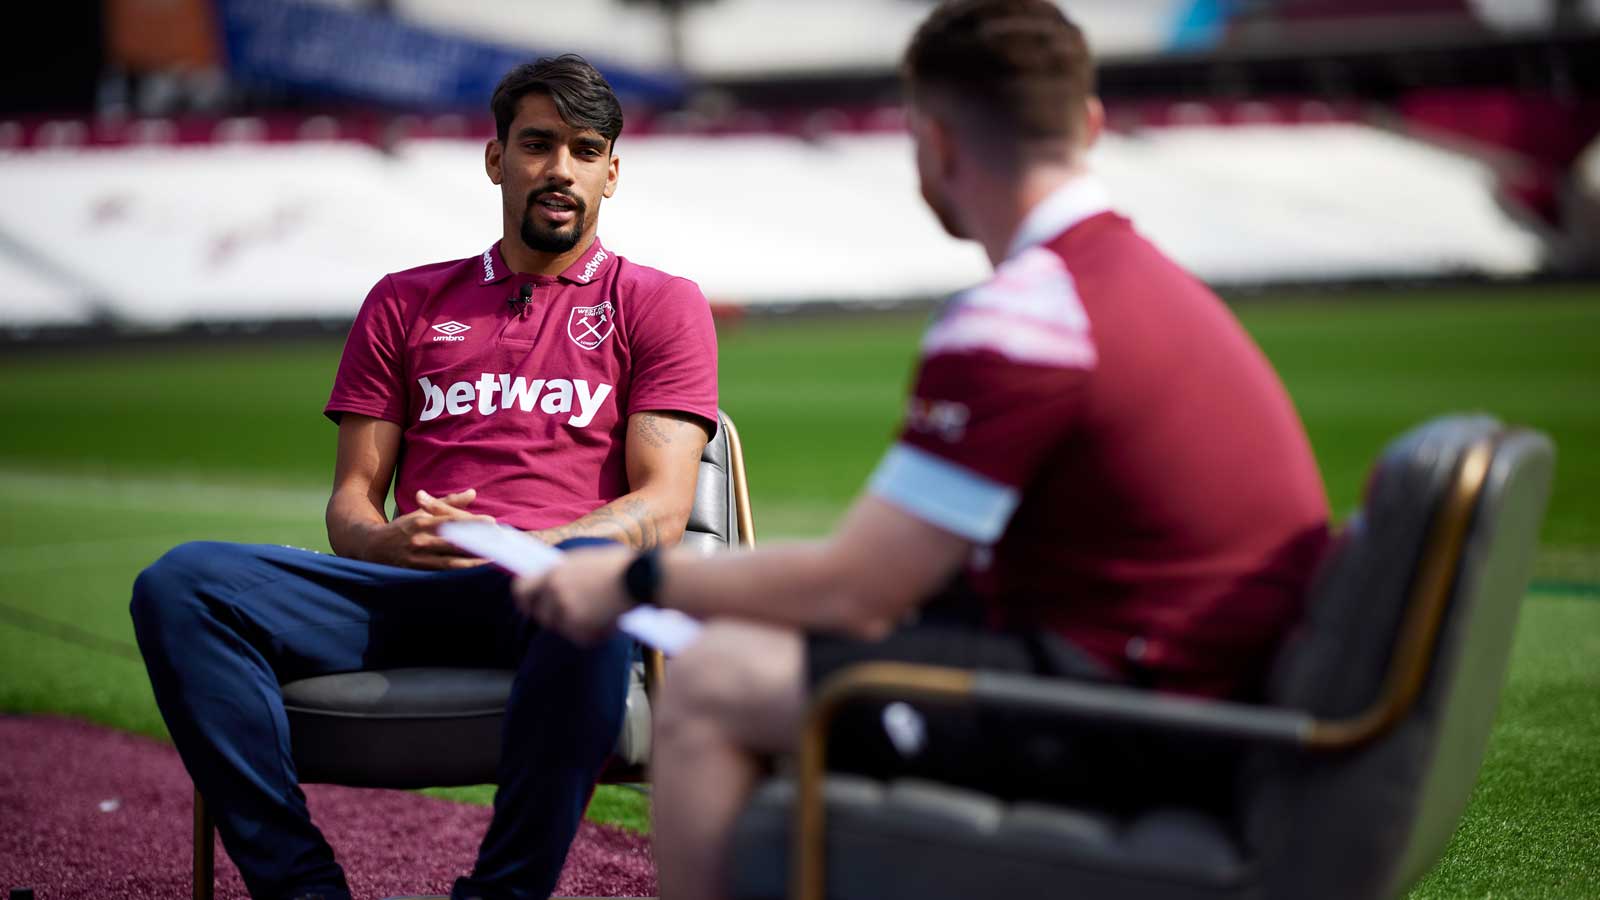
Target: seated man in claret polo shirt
x,y
548,384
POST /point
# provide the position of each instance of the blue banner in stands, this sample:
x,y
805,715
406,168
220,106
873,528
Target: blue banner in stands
x,y
1202,25
312,48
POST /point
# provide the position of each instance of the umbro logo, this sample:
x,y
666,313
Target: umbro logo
x,y
451,331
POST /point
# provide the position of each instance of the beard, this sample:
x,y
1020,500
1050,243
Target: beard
x,y
546,238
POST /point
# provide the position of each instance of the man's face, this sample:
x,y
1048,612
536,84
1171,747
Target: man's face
x,y
933,147
552,176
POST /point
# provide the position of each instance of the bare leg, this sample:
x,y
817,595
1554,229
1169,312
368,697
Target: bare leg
x,y
733,695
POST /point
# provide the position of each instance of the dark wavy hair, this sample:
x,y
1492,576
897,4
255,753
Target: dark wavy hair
x,y
1020,67
582,96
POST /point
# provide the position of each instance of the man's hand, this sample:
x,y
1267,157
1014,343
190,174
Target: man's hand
x,y
581,598
412,540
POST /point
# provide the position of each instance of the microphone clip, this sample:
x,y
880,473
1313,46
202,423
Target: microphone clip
x,y
519,301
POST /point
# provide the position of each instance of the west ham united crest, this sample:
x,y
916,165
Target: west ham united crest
x,y
589,325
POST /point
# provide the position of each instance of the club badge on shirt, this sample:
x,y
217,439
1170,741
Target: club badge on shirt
x,y
588,326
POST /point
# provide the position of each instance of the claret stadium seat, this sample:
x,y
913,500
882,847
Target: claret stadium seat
x,y
440,727
1349,778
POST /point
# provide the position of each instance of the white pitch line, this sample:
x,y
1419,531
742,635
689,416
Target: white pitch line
x,y
105,553
164,495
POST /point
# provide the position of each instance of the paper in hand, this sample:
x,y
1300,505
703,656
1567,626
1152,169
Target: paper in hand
x,y
668,630
507,548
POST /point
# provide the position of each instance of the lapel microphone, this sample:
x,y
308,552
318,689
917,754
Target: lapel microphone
x,y
519,303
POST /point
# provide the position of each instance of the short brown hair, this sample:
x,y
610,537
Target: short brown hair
x,y
1018,67
582,96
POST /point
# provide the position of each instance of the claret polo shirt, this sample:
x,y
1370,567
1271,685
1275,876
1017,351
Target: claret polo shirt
x,y
1098,421
527,401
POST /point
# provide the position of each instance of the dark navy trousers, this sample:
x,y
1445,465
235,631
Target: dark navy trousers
x,y
222,625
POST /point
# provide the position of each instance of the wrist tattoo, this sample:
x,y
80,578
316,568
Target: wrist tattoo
x,y
627,520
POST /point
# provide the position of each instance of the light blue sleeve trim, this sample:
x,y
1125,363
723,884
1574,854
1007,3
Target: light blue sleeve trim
x,y
944,494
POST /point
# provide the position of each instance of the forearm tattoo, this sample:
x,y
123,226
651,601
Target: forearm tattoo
x,y
631,520
628,520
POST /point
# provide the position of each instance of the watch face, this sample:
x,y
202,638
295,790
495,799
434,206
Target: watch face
x,y
642,577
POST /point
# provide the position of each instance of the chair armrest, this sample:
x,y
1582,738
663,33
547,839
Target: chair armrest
x,y
1068,700
1071,701
1127,707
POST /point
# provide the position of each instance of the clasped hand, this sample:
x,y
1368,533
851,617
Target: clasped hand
x,y
413,540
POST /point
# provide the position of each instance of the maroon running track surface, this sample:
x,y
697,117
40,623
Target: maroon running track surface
x,y
88,813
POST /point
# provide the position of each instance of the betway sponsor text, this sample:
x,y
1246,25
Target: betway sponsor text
x,y
493,393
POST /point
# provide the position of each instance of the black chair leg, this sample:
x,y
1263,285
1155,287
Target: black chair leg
x,y
204,850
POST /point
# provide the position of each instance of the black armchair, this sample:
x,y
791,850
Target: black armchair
x,y
439,727
1351,777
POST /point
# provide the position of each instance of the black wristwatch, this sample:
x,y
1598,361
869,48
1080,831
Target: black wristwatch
x,y
641,580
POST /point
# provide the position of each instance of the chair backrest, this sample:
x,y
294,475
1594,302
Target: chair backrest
x,y
1366,822
1475,651
720,517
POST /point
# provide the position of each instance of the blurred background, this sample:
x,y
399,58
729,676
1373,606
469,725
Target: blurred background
x,y
1400,200
258,161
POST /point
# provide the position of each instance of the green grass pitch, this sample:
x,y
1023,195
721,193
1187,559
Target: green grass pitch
x,y
109,457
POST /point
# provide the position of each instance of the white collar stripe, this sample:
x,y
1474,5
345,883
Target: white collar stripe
x,y
1073,202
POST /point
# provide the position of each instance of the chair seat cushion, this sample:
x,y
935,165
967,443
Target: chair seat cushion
x,y
417,727
409,693
917,839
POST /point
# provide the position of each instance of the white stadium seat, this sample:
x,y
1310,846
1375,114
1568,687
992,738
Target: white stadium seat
x,y
253,231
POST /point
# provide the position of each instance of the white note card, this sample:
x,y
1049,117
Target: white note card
x,y
508,548
667,630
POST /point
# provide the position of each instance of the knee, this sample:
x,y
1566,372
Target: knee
x,y
602,659
711,684
594,672
166,593
608,667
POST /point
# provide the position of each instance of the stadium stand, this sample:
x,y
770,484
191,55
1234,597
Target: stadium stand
x,y
1536,138
249,160
245,228
745,37
219,232
1583,205
33,299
